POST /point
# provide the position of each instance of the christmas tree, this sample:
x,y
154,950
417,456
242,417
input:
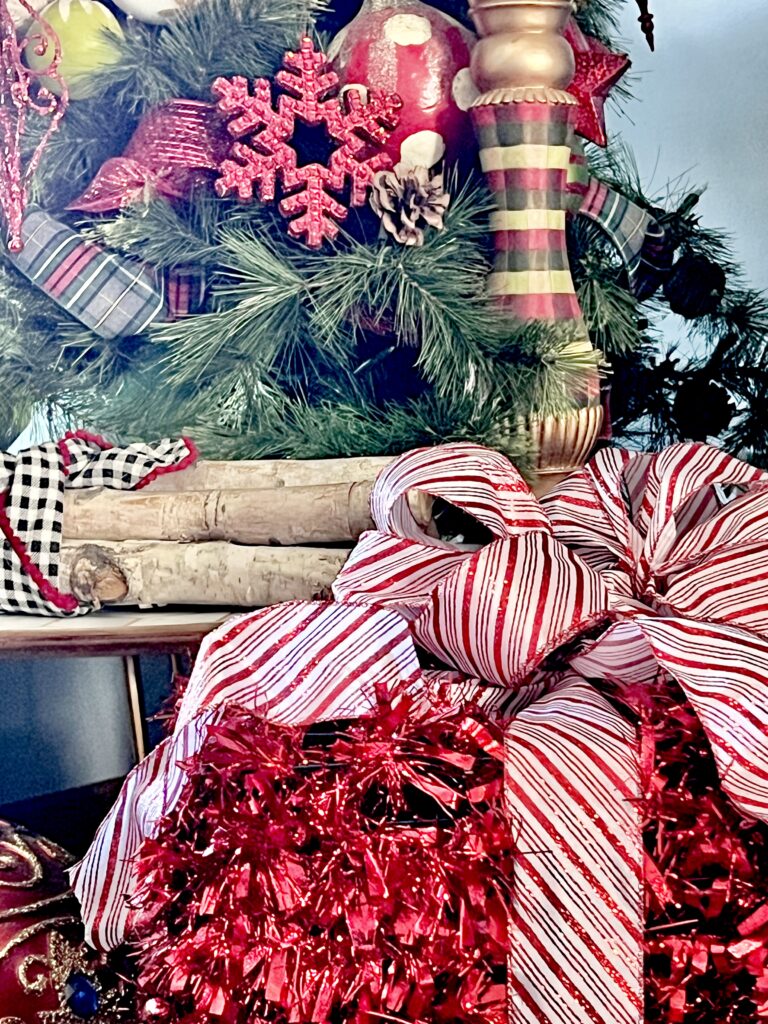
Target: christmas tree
x,y
362,323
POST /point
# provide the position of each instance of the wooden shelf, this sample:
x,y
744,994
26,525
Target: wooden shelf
x,y
109,632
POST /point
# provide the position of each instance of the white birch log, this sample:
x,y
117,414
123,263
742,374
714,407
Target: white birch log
x,y
323,514
269,474
320,514
216,573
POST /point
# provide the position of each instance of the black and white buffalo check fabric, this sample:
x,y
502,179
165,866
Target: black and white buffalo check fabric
x,y
32,485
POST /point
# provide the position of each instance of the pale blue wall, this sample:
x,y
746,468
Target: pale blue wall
x,y
701,111
63,723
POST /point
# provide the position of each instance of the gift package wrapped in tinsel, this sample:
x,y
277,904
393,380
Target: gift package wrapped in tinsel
x,y
516,771
550,809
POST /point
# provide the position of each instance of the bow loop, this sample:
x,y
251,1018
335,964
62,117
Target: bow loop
x,y
727,586
592,510
686,484
481,482
499,613
724,673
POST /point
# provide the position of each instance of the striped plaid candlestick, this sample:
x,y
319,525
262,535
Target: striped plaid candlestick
x,y
525,152
524,121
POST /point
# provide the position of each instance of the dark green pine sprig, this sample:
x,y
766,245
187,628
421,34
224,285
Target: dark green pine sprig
x,y
203,41
363,346
290,335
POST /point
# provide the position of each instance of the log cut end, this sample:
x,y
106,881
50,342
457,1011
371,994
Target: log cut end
x,y
96,578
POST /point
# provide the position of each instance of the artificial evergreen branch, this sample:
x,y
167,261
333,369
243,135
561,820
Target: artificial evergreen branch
x,y
599,18
200,43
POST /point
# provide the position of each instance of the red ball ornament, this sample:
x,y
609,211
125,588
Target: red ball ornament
x,y
47,976
422,55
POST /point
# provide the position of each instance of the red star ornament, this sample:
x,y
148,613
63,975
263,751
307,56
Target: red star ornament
x,y
598,69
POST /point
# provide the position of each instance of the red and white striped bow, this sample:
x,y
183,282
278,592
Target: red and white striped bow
x,y
670,553
667,553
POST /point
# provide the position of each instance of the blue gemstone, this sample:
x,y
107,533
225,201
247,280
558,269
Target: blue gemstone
x,y
81,996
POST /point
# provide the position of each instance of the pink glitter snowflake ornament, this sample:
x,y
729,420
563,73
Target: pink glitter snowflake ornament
x,y
265,156
21,94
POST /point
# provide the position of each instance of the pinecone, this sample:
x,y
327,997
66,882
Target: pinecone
x,y
407,204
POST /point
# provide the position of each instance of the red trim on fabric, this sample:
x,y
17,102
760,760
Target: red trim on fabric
x,y
185,463
66,602
84,435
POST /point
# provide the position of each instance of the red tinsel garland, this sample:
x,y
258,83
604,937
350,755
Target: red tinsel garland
x,y
706,876
315,876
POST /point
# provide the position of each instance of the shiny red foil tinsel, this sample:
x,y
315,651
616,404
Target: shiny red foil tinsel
x,y
356,870
706,876
340,872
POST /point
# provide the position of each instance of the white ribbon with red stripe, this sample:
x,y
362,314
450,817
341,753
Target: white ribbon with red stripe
x,y
668,552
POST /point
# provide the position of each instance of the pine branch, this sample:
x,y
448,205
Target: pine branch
x,y
297,429
610,312
255,313
163,235
599,18
92,131
432,296
203,41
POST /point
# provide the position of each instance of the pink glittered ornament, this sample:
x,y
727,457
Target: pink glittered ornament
x,y
598,70
264,159
21,94
416,51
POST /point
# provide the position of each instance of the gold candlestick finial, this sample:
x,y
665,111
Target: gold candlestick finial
x,y
521,49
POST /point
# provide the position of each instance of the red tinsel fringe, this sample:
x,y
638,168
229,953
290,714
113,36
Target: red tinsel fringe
x,y
364,870
706,877
316,874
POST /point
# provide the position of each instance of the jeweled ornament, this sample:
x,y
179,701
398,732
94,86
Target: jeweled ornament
x,y
646,22
88,33
81,995
47,975
409,48
25,94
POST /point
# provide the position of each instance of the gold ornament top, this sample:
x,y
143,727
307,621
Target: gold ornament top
x,y
521,48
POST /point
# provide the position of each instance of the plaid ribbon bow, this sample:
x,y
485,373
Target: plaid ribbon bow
x,y
112,295
32,486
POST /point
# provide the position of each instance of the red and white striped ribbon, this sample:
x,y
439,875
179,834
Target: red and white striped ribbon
x,y
657,543
294,663
669,552
576,931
